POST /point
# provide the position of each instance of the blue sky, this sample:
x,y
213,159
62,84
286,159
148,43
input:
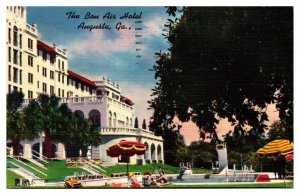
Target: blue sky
x,y
108,53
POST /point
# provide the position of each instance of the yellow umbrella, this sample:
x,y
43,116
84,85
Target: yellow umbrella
x,y
276,147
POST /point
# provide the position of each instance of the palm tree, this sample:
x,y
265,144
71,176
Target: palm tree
x,y
14,118
49,118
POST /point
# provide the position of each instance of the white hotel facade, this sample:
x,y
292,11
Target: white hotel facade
x,y
34,67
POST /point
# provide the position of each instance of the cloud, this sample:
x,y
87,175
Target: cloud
x,y
139,94
97,42
154,27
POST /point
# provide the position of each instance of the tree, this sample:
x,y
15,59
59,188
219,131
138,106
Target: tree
x,y
202,154
224,62
49,119
20,125
136,123
174,147
15,120
280,130
144,126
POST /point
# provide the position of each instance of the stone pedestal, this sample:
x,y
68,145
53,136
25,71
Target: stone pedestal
x,y
27,153
60,154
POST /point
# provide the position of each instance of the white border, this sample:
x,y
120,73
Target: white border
x,y
5,3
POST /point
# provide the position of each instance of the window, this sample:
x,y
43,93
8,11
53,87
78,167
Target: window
x,y
58,91
9,73
44,72
91,91
82,87
30,44
58,77
9,35
20,77
38,68
15,88
15,56
30,94
76,84
30,60
38,84
63,93
58,63
9,88
51,90
44,56
20,58
63,78
63,65
51,74
15,75
68,80
9,54
44,87
30,78
15,36
20,40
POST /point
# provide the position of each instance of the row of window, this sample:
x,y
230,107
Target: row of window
x,y
15,75
18,39
14,88
16,56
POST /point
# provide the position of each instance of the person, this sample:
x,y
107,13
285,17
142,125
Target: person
x,y
162,178
132,181
148,180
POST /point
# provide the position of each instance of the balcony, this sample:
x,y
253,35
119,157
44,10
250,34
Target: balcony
x,y
74,100
119,104
128,131
31,29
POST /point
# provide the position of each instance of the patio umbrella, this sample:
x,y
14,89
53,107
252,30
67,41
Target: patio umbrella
x,y
126,149
289,157
275,148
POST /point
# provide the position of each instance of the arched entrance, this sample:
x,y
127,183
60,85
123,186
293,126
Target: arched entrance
x,y
159,154
95,117
153,159
72,151
79,113
146,155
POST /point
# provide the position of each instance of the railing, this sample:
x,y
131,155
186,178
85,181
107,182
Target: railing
x,y
127,131
31,28
120,104
86,99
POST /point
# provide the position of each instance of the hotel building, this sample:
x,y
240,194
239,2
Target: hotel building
x,y
34,67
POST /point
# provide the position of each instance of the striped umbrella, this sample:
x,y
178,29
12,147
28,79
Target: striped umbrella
x,y
276,147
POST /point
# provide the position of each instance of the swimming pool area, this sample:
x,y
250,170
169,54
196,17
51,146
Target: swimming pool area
x,y
213,180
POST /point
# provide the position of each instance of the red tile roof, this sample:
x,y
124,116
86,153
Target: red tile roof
x,y
46,47
81,78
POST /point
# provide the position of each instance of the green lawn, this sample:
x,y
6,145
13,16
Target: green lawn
x,y
10,179
26,167
57,171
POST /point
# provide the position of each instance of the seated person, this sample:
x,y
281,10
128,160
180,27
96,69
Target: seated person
x,y
132,181
162,178
148,180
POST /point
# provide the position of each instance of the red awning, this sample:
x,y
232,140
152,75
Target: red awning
x,y
126,100
81,78
46,47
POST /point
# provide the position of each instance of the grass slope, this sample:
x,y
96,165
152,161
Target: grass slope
x,y
10,179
